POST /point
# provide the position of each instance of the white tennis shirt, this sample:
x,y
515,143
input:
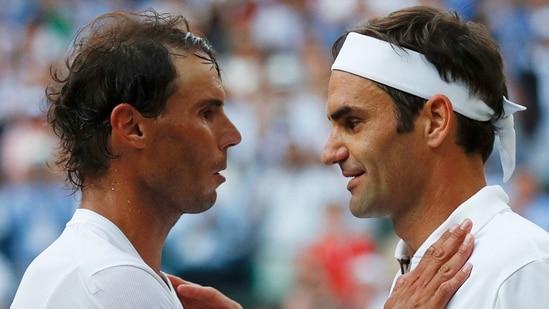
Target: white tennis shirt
x,y
92,265
510,258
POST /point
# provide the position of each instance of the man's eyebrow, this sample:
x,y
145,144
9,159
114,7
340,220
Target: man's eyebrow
x,y
212,102
338,114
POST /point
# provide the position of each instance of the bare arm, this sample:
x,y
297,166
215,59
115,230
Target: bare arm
x,y
439,274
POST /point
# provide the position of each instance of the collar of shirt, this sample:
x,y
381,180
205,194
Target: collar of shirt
x,y
103,226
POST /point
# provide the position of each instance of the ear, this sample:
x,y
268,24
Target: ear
x,y
437,113
126,122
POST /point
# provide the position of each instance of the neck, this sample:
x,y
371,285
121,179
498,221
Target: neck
x,y
145,226
449,186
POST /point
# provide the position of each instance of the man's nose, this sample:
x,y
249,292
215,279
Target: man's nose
x,y
333,152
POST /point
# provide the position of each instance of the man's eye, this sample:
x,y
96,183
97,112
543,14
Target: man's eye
x,y
207,114
351,124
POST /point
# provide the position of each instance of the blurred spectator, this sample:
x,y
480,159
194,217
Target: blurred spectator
x,y
7,282
33,203
277,27
31,194
528,198
292,197
341,268
510,24
538,154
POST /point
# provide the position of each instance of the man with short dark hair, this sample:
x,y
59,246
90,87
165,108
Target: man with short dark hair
x,y
416,99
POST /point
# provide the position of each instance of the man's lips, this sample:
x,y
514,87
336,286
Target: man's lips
x,y
348,174
219,175
353,182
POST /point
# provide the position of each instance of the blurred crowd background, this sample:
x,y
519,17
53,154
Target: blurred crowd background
x,y
280,234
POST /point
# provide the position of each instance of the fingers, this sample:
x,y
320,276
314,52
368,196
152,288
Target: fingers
x,y
176,281
453,273
447,255
195,291
447,289
197,296
440,273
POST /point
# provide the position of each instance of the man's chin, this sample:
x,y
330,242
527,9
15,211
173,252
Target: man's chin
x,y
363,212
203,205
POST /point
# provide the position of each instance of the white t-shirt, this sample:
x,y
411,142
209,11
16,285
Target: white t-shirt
x,y
92,265
510,258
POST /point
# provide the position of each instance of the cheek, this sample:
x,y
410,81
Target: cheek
x,y
175,150
367,148
189,152
186,139
382,155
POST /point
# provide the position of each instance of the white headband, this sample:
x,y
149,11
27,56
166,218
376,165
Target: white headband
x,y
409,71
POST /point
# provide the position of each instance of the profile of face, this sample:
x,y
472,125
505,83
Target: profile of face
x,y
190,139
380,163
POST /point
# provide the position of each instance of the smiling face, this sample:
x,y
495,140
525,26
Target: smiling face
x,y
384,167
189,141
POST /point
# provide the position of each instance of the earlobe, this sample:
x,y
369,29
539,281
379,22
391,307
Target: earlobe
x,y
438,111
126,122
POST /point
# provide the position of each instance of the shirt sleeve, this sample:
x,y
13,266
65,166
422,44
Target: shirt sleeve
x,y
526,288
124,287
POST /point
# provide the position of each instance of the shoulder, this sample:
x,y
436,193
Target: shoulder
x,y
526,287
510,253
119,286
82,263
132,286
508,243
513,237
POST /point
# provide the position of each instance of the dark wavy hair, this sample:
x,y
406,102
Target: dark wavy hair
x,y
120,57
461,51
